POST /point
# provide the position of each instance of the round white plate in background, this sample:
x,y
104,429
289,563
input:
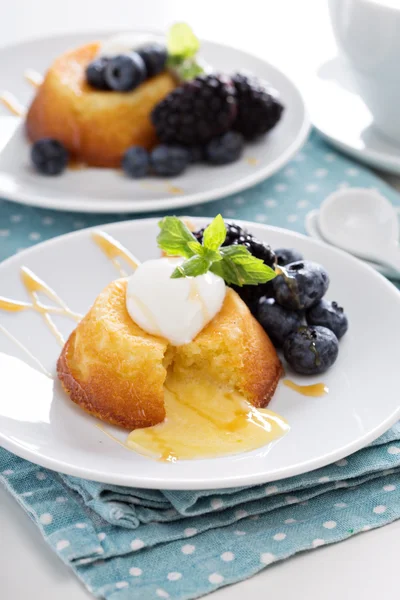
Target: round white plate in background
x,y
50,430
108,190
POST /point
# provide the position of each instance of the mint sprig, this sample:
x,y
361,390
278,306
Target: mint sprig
x,y
182,43
182,47
235,264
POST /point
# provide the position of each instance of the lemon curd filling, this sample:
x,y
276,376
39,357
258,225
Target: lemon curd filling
x,y
205,420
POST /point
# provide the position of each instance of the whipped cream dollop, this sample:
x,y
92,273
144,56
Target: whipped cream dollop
x,y
123,43
176,309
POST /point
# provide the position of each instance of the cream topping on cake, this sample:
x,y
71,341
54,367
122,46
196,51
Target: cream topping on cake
x,y
176,309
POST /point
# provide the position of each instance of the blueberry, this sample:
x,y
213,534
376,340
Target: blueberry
x,y
330,315
300,285
225,149
169,159
277,321
196,153
125,72
95,73
136,162
311,350
154,57
49,156
285,256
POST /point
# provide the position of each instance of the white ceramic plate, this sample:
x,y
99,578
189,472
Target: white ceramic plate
x,y
341,116
108,191
50,430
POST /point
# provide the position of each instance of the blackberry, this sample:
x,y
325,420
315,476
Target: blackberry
x,y
197,111
250,294
238,235
259,107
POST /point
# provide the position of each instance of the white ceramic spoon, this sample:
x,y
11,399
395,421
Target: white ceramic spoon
x,y
312,229
362,222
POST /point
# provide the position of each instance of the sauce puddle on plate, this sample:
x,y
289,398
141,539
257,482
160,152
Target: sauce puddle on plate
x,y
206,421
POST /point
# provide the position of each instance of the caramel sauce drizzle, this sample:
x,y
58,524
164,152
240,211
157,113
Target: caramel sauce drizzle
x,y
114,251
194,295
315,390
14,106
166,453
34,285
24,349
251,160
33,77
167,186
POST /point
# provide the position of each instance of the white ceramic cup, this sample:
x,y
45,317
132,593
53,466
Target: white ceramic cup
x,y
368,34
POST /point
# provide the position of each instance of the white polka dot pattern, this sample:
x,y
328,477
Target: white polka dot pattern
x,y
174,576
227,556
267,558
215,578
137,544
46,519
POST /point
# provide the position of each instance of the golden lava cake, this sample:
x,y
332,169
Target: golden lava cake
x,y
95,126
116,371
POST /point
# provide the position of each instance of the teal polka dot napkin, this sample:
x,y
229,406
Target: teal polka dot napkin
x,y
127,544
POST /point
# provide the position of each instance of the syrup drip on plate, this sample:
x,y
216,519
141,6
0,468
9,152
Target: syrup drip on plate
x,y
34,285
315,390
168,187
33,77
114,251
12,103
251,160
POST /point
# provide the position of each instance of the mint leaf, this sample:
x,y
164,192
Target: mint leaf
x,y
185,69
228,271
197,265
249,269
196,248
214,235
181,41
211,255
174,237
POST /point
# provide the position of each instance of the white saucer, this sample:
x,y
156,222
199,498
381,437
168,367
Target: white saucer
x,y
38,421
107,190
340,115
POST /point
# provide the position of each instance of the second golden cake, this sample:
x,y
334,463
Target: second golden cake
x,y
95,126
